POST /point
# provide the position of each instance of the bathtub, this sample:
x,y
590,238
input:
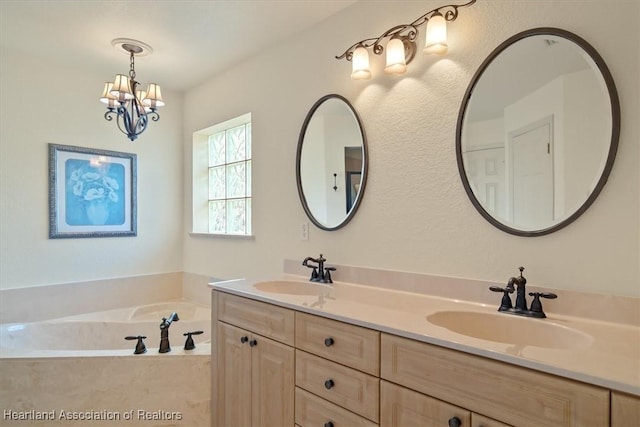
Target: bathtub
x,y
79,370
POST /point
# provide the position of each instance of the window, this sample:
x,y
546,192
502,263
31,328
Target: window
x,y
222,178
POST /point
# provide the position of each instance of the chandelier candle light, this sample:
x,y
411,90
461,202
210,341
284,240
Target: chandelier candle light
x,y
132,107
401,45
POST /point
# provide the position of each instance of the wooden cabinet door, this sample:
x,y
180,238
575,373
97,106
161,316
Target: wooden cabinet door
x,y
401,407
625,410
234,378
273,382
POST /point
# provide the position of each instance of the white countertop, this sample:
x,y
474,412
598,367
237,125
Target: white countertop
x,y
608,354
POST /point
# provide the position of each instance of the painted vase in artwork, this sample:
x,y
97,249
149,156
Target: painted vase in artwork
x,y
98,211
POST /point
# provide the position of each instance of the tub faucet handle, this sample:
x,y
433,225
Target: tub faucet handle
x,y
189,344
140,347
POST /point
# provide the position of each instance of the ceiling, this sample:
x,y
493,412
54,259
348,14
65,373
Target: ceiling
x,y
191,39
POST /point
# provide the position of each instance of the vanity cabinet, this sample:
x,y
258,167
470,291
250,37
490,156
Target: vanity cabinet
x,y
625,410
255,372
506,393
337,373
281,367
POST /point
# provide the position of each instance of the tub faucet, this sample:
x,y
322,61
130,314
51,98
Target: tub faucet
x,y
164,332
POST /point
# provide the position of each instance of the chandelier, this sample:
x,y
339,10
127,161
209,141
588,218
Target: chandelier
x,y
131,107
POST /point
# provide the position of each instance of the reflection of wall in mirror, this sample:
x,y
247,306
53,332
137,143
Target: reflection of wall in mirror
x,y
312,169
575,101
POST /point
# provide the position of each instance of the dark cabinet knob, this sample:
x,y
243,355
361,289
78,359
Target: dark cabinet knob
x,y
328,384
455,422
328,424
253,343
244,339
328,342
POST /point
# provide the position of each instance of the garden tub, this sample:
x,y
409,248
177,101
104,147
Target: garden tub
x,y
79,370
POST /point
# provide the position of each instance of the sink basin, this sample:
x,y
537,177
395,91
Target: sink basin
x,y
293,288
510,329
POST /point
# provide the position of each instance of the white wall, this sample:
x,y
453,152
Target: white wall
x,y
44,102
415,215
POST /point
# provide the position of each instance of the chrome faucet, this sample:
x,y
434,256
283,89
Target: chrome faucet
x,y
164,332
320,273
518,285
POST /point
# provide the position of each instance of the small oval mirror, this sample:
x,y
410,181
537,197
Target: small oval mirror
x,y
331,162
538,132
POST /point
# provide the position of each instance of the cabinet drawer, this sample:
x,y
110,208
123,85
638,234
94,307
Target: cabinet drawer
x,y
508,393
347,344
255,316
312,411
482,421
351,389
401,407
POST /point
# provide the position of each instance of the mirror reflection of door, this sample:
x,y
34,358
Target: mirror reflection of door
x,y
353,174
487,178
532,175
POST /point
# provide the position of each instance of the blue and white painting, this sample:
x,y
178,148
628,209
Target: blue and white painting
x,y
94,192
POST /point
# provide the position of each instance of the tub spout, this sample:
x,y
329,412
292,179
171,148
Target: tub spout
x,y
164,332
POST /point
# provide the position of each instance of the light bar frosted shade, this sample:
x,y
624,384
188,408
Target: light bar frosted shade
x,y
436,40
361,69
121,88
153,99
396,63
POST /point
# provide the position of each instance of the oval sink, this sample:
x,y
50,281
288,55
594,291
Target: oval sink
x,y
293,288
510,329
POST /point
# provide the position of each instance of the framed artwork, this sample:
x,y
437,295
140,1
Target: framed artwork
x,y
92,193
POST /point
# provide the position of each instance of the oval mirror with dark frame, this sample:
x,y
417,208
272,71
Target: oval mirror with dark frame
x,y
331,162
538,131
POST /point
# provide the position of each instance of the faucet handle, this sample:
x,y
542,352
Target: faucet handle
x,y
536,305
189,344
506,303
547,295
327,274
140,347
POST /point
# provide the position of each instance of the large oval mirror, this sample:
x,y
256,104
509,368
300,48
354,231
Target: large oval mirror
x,y
538,131
331,162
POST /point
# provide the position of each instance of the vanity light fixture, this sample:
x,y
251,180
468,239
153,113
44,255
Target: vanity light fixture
x,y
401,42
132,107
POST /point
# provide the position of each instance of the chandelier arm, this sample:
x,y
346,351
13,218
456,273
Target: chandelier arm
x,y
450,13
108,114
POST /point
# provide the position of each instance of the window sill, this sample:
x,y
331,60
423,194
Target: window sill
x,y
220,235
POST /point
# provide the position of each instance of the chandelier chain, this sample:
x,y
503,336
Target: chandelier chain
x,y
132,69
